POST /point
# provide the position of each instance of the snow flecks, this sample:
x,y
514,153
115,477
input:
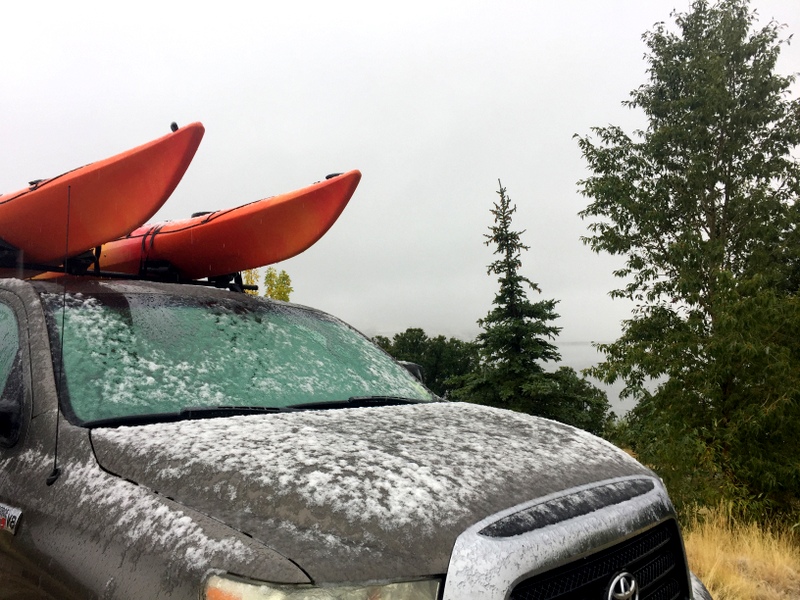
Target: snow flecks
x,y
699,590
485,568
424,465
139,356
133,516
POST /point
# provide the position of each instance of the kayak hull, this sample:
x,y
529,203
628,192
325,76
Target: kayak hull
x,y
64,216
227,241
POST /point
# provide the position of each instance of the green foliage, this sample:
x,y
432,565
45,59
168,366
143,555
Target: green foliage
x,y
277,286
441,359
517,339
728,428
703,205
575,400
516,332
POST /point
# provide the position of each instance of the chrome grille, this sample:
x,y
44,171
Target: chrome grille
x,y
655,558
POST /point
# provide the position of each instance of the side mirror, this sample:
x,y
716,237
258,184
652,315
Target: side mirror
x,y
415,369
10,421
11,406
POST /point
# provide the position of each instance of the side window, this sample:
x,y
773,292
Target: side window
x,y
10,378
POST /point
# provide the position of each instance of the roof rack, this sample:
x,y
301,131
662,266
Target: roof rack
x,y
87,265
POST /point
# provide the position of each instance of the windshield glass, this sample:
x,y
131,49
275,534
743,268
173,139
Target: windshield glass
x,y
141,354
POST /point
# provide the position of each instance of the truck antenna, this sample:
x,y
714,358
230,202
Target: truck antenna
x,y
56,472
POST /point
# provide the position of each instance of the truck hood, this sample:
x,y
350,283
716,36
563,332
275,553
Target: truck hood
x,y
360,494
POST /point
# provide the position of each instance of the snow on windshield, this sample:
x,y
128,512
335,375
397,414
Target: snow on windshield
x,y
140,354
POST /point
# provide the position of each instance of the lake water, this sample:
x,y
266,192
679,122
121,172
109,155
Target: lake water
x,y
581,355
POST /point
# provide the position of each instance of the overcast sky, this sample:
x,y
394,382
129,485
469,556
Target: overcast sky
x,y
433,101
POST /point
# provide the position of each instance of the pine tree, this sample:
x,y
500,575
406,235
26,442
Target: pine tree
x,y
517,341
517,333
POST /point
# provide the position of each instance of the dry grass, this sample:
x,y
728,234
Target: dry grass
x,y
739,561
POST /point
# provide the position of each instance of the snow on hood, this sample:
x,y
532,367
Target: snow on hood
x,y
367,493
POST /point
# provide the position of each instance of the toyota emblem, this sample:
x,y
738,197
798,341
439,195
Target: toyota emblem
x,y
623,587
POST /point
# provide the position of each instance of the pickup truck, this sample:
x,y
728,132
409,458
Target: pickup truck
x,y
179,441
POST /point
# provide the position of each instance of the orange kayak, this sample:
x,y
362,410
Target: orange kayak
x,y
88,206
228,241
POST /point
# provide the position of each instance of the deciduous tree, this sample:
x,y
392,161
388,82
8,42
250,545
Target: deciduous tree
x,y
250,278
277,286
442,359
702,204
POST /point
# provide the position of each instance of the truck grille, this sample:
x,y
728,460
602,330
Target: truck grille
x,y
655,558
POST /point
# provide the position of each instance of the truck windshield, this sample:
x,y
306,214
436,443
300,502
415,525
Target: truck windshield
x,y
133,354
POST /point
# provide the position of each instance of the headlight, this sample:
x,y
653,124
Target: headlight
x,y
228,588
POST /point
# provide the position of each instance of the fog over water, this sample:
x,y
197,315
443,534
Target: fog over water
x,y
582,355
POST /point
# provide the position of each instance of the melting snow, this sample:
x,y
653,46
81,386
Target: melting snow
x,y
424,465
135,517
147,357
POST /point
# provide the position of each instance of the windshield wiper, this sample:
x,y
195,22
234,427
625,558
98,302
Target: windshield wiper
x,y
210,412
357,402
185,414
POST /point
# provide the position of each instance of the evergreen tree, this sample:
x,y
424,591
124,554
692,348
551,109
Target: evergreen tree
x,y
517,333
703,205
517,340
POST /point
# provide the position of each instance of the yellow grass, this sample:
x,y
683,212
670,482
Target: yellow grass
x,y
739,561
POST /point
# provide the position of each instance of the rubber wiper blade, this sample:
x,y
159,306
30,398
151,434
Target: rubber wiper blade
x,y
133,420
382,401
357,402
185,414
211,412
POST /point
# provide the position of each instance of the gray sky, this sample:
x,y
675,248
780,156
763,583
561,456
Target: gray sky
x,y
433,101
